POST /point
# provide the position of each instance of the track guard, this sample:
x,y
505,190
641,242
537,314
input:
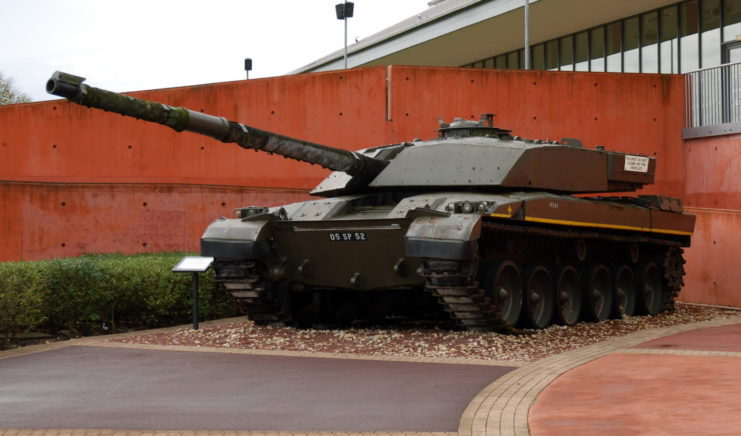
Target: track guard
x,y
449,237
236,239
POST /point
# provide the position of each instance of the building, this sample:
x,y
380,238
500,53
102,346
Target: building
x,y
74,181
632,36
628,36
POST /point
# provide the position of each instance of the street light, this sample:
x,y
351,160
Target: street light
x,y
247,66
344,11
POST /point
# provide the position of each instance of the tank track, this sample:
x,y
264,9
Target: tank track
x,y
673,276
453,284
240,279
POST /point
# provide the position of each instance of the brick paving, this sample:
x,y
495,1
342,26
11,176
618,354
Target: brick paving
x,y
503,407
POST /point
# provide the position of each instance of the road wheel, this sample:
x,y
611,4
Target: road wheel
x,y
503,286
568,296
597,293
651,289
624,283
539,297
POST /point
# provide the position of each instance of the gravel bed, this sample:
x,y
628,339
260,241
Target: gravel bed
x,y
409,341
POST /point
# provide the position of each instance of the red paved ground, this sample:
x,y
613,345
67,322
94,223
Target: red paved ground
x,y
726,338
642,394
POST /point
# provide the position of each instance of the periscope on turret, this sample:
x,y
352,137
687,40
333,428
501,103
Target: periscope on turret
x,y
478,226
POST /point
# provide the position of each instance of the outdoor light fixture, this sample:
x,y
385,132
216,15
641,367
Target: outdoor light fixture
x,y
247,66
344,11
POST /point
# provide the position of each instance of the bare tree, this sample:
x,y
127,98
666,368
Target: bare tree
x,y
8,92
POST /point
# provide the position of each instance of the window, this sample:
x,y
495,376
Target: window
x,y
597,49
500,62
512,62
649,43
566,50
630,46
538,53
614,48
551,53
688,42
669,45
581,51
731,20
710,33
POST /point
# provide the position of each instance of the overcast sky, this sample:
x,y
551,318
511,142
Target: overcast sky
x,y
129,45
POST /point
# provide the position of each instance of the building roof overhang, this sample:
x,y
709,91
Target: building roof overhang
x,y
458,32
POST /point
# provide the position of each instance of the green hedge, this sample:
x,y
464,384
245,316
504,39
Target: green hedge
x,y
96,293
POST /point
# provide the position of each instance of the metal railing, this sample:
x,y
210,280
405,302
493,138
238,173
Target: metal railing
x,y
713,98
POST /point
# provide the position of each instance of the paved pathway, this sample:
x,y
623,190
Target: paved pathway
x,y
627,385
504,407
108,387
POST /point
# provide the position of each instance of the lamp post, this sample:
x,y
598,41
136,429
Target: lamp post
x,y
527,34
247,66
344,11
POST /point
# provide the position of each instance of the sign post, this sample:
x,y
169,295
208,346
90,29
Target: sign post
x,y
195,265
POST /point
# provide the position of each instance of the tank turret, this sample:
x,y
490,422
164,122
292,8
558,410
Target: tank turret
x,y
477,154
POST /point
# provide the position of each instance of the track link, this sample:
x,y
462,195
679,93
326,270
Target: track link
x,y
240,279
454,285
673,276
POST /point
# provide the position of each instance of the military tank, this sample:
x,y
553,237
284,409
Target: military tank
x,y
484,227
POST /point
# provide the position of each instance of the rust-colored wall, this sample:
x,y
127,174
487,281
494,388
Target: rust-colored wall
x,y
104,167
713,193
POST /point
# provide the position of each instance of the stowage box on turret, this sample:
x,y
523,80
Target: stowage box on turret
x,y
477,225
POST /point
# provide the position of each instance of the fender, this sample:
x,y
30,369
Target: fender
x,y
443,237
236,239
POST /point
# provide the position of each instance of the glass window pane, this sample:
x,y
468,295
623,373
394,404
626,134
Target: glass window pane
x,y
630,45
551,53
669,45
649,43
489,63
688,36
501,62
512,62
731,20
581,51
597,49
566,51
614,45
538,53
710,33
521,56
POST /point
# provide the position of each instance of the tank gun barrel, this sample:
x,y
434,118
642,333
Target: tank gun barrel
x,y
182,119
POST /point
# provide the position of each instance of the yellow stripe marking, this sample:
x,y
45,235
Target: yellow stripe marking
x,y
598,225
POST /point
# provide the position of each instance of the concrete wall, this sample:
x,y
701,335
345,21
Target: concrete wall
x,y
74,180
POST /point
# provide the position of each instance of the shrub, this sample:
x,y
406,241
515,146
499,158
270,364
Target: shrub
x,y
21,291
109,292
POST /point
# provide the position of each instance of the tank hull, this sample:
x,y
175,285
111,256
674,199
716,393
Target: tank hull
x,y
487,261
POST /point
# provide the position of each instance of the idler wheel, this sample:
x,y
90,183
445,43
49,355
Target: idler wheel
x,y
624,284
568,296
503,285
539,297
597,293
651,289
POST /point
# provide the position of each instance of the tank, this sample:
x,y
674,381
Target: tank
x,y
479,226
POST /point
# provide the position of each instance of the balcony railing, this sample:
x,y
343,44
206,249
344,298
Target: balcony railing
x,y
713,101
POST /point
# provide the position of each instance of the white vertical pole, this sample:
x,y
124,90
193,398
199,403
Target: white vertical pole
x,y
345,42
527,34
